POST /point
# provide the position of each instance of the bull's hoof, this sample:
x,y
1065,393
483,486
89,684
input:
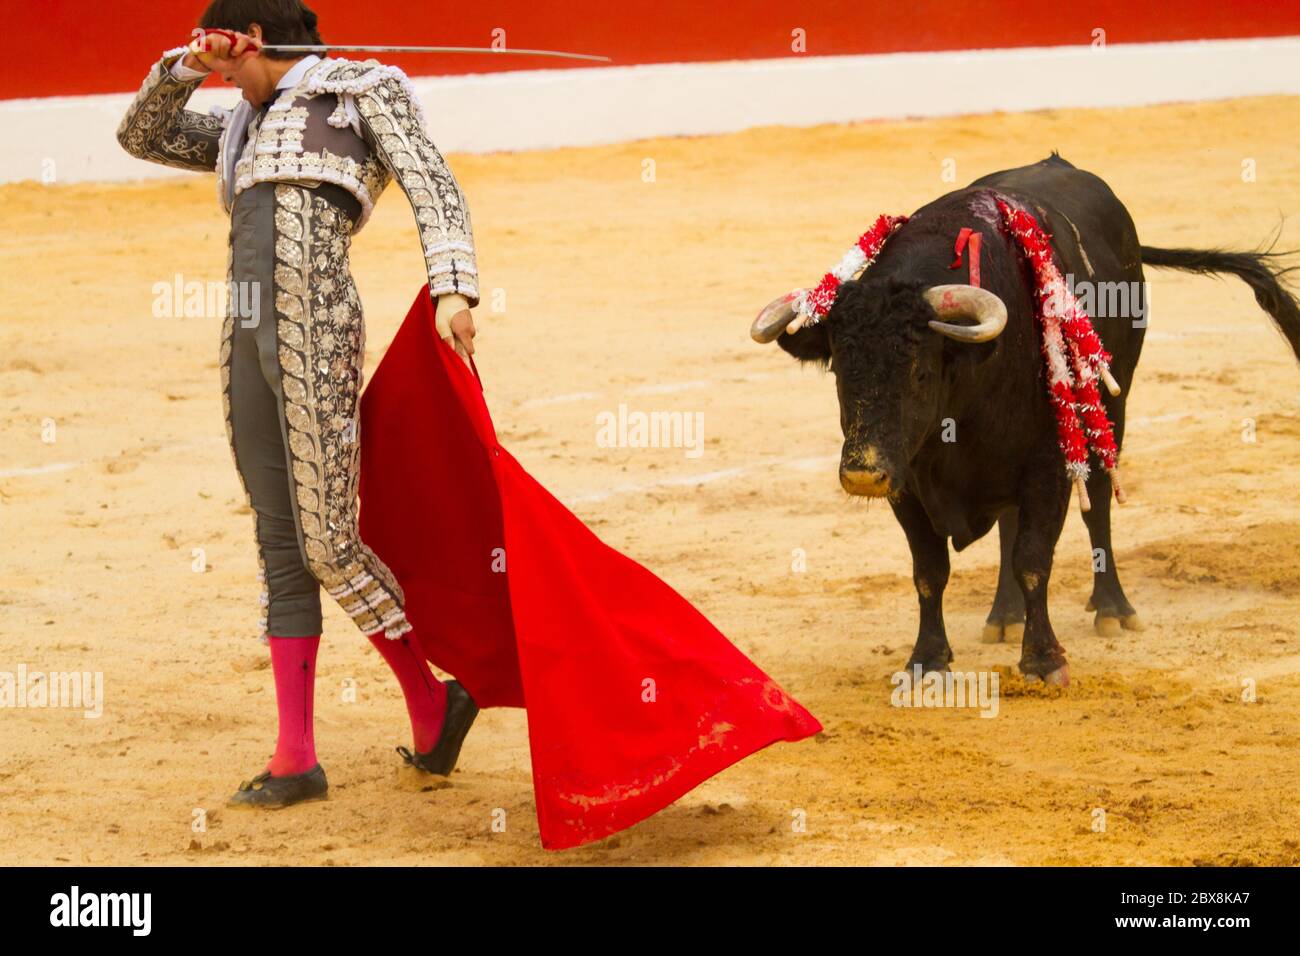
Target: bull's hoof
x,y
1109,625
928,667
1057,678
1044,663
998,633
1105,625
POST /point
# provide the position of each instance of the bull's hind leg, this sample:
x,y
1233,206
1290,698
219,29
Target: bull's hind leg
x,y
930,575
1006,620
1042,514
1113,609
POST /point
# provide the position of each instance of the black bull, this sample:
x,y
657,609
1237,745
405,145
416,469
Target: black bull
x,y
959,436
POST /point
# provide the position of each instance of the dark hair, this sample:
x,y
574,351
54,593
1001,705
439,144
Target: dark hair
x,y
282,21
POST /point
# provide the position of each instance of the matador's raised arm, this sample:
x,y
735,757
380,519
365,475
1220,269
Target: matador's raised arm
x,y
159,128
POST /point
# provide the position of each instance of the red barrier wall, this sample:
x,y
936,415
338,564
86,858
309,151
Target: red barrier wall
x,y
67,47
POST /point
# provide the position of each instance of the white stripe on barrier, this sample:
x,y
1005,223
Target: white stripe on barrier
x,y
72,139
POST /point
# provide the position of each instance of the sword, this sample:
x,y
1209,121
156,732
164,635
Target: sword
x,y
296,48
233,37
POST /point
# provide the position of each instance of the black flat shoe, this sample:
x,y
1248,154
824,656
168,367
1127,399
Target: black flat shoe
x,y
441,760
274,793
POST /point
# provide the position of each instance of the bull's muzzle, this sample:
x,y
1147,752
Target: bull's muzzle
x,y
865,482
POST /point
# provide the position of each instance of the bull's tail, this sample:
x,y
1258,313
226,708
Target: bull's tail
x,y
1256,269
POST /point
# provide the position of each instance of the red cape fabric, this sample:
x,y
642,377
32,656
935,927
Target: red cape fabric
x,y
633,697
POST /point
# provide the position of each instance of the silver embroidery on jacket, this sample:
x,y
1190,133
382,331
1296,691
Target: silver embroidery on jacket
x,y
158,128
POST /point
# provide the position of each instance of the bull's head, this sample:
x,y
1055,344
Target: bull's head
x,y
884,341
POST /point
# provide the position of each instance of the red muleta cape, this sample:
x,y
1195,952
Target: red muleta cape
x,y
633,697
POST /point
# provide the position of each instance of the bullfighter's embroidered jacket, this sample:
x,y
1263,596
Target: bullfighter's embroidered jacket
x,y
356,125
299,176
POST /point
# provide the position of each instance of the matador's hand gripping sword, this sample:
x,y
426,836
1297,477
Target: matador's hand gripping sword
x,y
352,48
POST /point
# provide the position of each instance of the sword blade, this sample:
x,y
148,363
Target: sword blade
x,y
296,48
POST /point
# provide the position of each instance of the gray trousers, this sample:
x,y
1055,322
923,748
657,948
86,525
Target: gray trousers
x,y
291,387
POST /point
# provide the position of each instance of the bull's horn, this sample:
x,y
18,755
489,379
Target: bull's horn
x,y
772,321
967,302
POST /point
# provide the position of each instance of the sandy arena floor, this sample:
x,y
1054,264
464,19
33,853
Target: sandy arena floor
x,y
616,290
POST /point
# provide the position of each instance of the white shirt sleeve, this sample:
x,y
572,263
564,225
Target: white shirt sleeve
x,y
182,72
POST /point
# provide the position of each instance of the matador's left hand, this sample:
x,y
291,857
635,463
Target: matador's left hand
x,y
455,325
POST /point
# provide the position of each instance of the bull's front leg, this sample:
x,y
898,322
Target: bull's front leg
x,y
1043,506
930,575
